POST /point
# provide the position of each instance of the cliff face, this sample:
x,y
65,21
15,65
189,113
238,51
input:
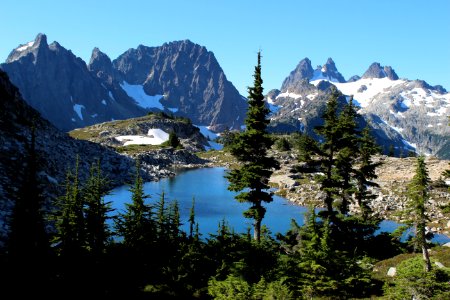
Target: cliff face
x,y
182,78
190,79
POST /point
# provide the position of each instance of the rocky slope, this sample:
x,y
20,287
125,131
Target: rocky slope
x,y
57,153
408,114
140,131
189,78
182,78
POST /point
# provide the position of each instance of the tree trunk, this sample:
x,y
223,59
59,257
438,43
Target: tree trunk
x,y
423,241
257,230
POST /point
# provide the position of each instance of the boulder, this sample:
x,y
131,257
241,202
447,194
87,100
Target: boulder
x,y
391,272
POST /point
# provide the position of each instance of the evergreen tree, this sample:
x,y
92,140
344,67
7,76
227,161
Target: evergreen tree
x,y
250,149
366,171
418,195
135,225
173,141
28,240
70,224
96,211
328,149
347,154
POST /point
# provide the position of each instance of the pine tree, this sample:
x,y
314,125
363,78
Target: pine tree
x,y
366,171
347,153
96,211
28,239
418,196
70,222
135,225
173,141
250,149
327,151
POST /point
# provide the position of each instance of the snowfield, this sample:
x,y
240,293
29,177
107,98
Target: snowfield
x,y
136,91
365,89
154,137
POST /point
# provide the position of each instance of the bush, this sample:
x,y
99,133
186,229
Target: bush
x,y
413,282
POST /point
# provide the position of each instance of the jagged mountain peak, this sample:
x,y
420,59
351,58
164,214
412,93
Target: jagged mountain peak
x,y
375,70
33,47
99,61
328,72
303,71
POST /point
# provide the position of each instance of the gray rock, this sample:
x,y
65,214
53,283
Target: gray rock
x,y
376,71
439,264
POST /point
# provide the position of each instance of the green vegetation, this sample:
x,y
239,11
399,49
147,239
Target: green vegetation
x,y
250,149
84,249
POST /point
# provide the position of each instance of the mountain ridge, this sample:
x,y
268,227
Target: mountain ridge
x,y
181,77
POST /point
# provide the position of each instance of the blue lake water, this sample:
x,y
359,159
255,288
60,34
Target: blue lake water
x,y
214,203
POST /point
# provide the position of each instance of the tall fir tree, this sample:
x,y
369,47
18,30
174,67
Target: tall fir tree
x,y
347,154
366,171
250,149
417,207
135,225
28,239
327,151
96,212
70,223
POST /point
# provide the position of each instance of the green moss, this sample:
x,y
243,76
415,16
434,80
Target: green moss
x,y
84,134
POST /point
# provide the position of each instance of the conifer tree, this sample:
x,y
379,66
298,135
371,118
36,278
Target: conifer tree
x,y
70,222
28,239
135,225
173,141
366,171
418,196
28,242
327,151
347,153
96,211
250,149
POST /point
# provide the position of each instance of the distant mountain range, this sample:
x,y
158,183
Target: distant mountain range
x,y
411,115
180,78
185,79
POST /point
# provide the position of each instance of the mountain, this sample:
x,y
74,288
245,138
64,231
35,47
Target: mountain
x,y
60,86
181,78
408,114
190,79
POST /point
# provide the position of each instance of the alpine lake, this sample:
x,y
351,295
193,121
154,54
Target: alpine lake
x,y
214,203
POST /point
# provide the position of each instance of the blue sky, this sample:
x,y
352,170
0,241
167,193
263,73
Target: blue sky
x,y
412,36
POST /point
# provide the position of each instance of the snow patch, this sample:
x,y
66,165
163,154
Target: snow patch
x,y
288,95
77,108
412,145
25,47
103,102
73,120
136,91
94,115
111,96
154,137
173,110
318,75
207,132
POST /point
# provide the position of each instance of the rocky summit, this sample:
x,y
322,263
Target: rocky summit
x,y
409,115
181,78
